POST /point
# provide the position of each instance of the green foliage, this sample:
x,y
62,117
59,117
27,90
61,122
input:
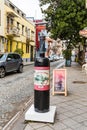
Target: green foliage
x,y
67,54
19,51
65,18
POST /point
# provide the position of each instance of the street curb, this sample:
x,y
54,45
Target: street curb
x,y
61,65
9,125
28,63
12,121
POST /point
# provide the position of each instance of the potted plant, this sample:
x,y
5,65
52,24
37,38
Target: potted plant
x,y
67,55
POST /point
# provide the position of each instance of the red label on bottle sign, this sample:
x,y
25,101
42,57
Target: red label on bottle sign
x,y
41,78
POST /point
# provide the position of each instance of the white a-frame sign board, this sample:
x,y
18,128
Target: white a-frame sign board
x,y
59,81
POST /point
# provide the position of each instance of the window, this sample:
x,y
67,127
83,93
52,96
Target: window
x,y
18,11
11,21
2,57
22,46
7,24
22,15
16,56
11,6
27,48
32,35
22,29
17,45
17,25
7,46
10,56
10,46
28,33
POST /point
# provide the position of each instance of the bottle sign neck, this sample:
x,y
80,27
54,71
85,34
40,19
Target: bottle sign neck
x,y
42,55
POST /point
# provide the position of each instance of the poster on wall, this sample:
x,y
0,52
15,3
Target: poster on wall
x,y
59,81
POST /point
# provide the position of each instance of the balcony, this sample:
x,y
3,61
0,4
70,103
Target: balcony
x,y
13,31
32,38
27,38
11,14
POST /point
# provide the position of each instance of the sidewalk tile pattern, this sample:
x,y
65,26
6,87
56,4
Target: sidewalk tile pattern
x,y
71,113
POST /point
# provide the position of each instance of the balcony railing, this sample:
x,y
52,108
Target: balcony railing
x,y
32,38
28,38
13,31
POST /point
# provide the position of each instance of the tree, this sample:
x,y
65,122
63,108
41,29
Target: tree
x,y
66,18
19,51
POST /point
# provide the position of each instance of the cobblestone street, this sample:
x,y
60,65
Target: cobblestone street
x,y
15,90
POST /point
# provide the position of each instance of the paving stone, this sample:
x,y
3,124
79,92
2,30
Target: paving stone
x,y
78,118
0,127
69,122
37,125
68,129
45,128
82,128
58,126
28,127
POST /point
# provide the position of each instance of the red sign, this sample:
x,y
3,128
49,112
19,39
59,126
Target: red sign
x,y
38,30
38,21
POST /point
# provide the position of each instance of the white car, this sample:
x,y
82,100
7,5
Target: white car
x,y
57,57
61,57
51,58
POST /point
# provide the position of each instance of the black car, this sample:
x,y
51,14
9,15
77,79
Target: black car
x,y
10,62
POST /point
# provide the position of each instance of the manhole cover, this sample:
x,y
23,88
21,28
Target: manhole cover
x,y
79,82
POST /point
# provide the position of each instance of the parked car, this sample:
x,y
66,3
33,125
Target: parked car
x,y
56,57
51,58
61,57
10,62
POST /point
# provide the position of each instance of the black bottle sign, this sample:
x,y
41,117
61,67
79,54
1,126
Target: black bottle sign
x,y
41,84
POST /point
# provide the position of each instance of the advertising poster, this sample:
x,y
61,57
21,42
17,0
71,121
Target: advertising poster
x,y
59,81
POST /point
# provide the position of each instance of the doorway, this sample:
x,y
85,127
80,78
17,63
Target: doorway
x,y
31,54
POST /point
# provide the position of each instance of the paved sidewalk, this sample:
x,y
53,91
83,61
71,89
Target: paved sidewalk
x,y
28,63
71,112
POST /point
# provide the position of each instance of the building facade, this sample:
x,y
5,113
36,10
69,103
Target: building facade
x,y
16,32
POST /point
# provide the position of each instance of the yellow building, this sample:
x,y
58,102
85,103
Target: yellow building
x,y
16,31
